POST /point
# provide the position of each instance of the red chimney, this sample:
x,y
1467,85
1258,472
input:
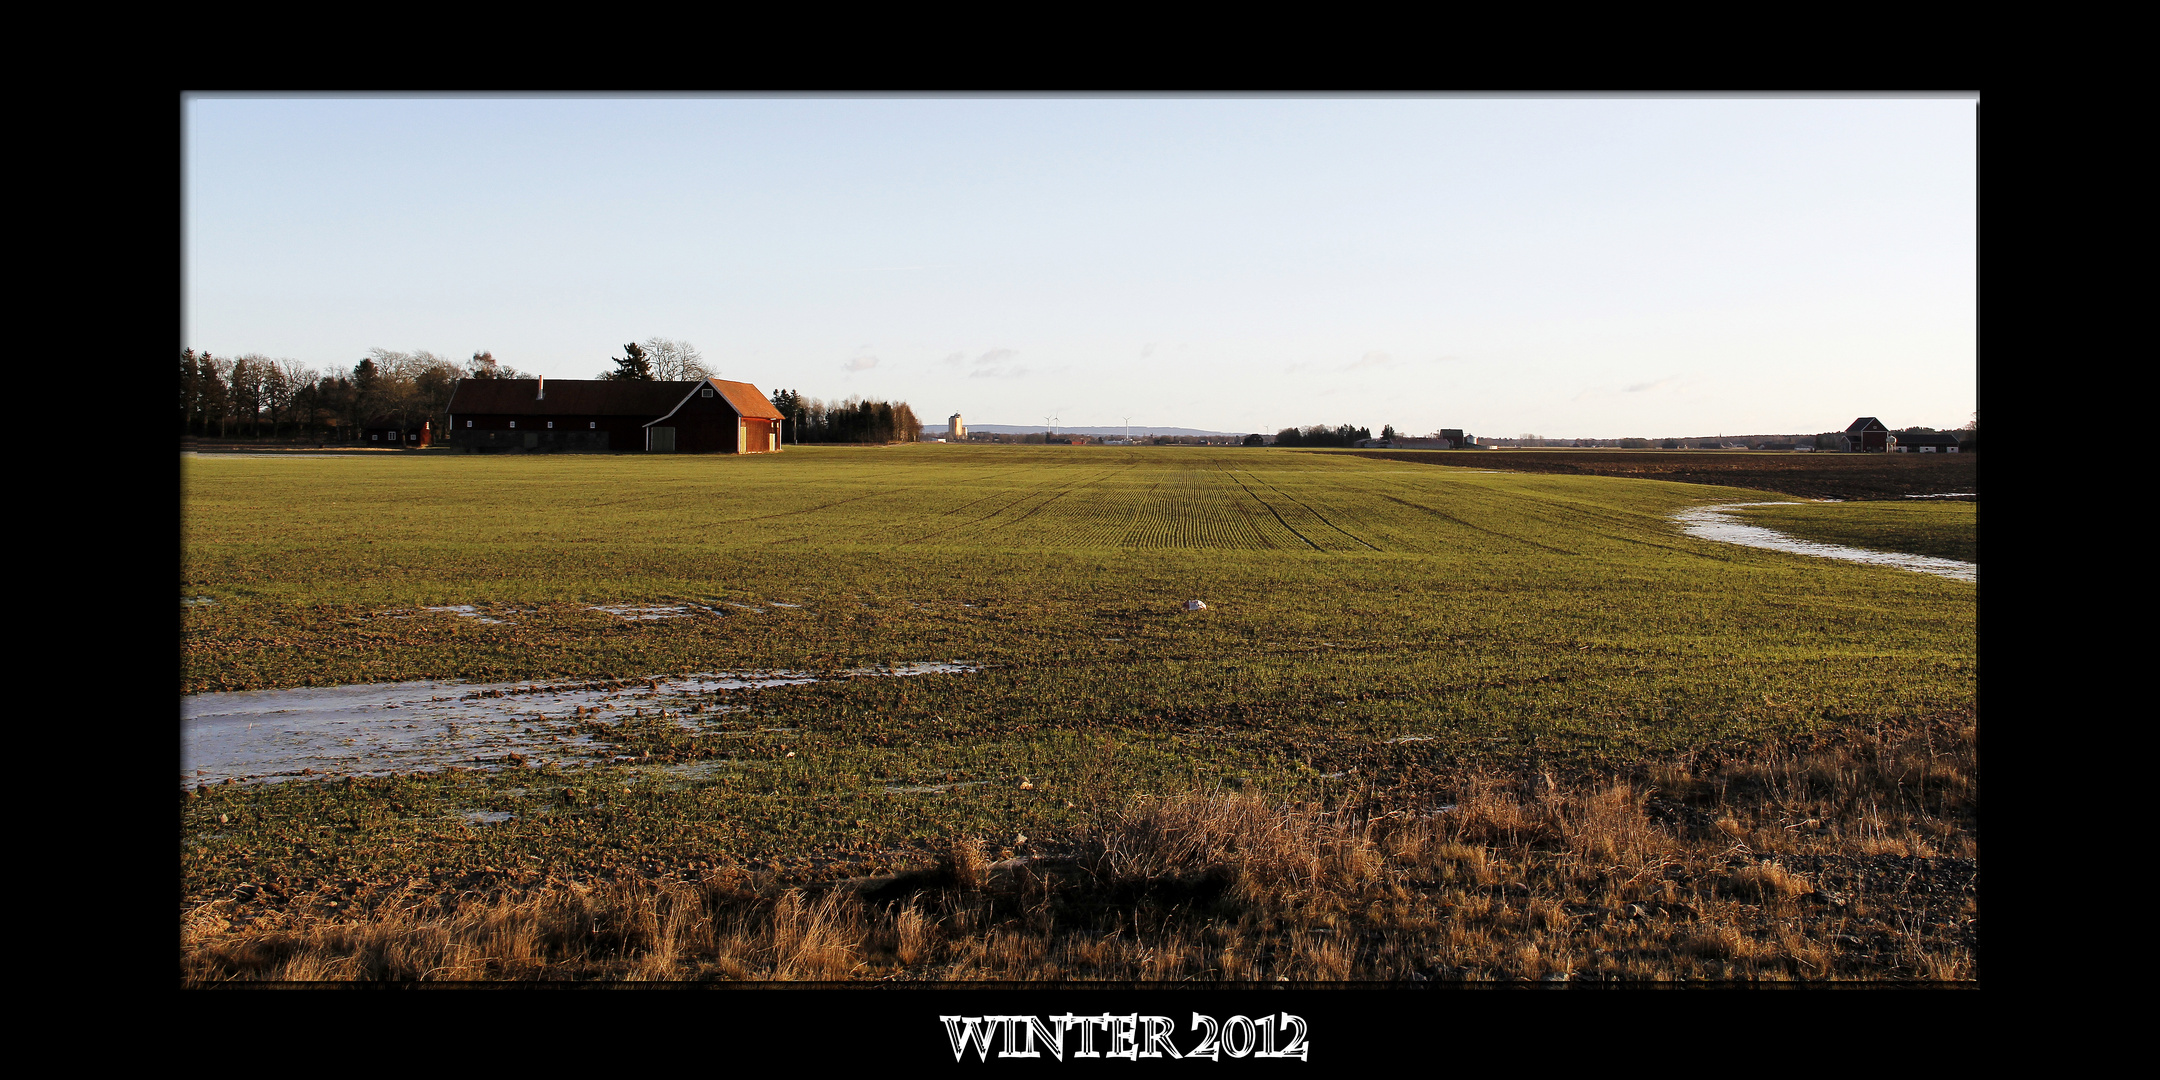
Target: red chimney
x,y
543,389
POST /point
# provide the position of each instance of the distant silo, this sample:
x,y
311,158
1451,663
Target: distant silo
x,y
957,430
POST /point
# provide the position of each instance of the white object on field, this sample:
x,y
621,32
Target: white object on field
x,y
1195,605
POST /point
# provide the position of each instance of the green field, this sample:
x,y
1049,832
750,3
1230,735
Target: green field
x,y
1946,529
1498,618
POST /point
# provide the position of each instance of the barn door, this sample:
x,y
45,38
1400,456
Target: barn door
x,y
660,440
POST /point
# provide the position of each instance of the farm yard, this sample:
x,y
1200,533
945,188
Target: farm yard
x,y
941,712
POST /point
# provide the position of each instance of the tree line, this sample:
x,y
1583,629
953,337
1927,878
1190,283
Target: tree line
x,y
254,396
1323,435
854,420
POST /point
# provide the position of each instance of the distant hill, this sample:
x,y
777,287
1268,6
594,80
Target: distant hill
x,y
1137,430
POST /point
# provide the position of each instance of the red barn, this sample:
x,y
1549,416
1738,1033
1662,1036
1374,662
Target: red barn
x,y
709,416
1869,434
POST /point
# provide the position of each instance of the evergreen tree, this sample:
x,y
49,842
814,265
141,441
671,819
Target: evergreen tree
x,y
632,366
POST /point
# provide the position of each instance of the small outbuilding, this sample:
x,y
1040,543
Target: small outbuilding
x,y
705,416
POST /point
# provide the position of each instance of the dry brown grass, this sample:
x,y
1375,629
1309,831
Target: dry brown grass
x,y
1848,859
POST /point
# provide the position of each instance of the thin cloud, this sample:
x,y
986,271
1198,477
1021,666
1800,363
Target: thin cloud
x,y
860,363
1596,392
997,364
1374,359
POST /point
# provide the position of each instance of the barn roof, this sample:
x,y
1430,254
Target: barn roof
x,y
746,399
1865,423
567,397
1936,438
597,397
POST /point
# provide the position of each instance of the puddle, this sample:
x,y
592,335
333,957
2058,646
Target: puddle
x,y
635,613
379,728
1411,738
486,817
777,603
195,601
920,669
465,611
1948,495
1712,523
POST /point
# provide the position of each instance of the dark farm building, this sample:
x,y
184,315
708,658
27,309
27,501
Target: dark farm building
x,y
1869,434
1939,442
710,416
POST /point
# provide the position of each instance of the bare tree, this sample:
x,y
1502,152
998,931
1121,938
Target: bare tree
x,y
675,361
403,388
485,366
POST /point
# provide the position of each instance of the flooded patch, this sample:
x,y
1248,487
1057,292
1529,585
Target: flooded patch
x,y
777,603
1948,495
1712,523
195,601
1411,738
948,668
486,817
636,613
372,729
465,611
379,728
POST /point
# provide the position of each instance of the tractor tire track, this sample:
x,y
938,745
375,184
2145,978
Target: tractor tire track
x,y
1271,509
1323,517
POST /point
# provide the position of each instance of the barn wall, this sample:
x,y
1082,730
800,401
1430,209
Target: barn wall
x,y
702,426
559,440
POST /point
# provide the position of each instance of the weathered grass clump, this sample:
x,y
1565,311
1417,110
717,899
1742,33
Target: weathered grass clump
x,y
1849,859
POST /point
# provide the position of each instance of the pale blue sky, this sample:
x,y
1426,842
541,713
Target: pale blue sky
x,y
1560,266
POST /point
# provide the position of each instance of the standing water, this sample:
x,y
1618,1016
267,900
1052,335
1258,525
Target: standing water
x,y
1712,523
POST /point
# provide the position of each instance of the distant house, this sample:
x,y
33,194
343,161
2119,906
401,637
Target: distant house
x,y
1448,439
707,416
1938,442
1868,434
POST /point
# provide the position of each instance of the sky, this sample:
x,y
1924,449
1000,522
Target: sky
x,y
1567,267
